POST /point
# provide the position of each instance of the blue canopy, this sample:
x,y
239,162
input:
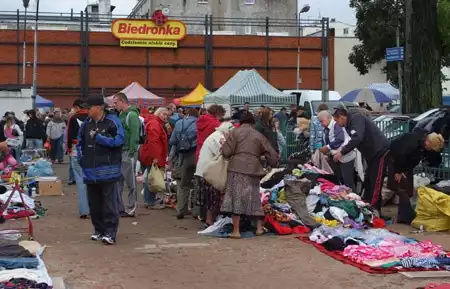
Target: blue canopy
x,y
366,95
43,102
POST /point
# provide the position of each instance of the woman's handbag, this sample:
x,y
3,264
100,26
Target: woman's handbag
x,y
216,174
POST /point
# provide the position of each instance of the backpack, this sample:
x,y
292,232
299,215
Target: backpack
x,y
142,135
184,143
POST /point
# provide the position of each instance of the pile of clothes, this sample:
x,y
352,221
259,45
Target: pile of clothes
x,y
22,265
16,208
380,248
332,205
315,199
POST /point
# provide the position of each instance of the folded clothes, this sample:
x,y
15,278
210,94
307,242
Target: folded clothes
x,y
14,251
16,263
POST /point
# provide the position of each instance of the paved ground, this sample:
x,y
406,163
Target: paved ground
x,y
161,252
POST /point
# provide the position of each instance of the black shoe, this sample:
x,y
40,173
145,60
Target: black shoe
x,y
180,216
126,215
84,217
71,183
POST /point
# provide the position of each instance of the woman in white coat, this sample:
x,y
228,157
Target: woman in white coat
x,y
209,199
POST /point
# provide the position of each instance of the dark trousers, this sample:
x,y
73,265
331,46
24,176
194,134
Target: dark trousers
x,y
345,173
373,182
103,202
404,190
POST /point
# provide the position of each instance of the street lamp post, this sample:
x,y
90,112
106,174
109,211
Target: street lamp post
x,y
26,3
305,9
33,96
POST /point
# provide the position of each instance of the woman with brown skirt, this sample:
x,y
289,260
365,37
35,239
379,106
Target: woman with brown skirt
x,y
244,148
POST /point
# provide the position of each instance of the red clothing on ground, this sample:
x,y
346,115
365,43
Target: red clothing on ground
x,y
156,145
206,125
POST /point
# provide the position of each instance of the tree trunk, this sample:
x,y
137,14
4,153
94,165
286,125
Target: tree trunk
x,y
422,79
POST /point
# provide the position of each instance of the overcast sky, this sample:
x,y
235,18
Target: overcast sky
x,y
325,8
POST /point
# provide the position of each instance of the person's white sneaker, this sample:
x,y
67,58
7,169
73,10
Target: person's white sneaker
x,y
108,240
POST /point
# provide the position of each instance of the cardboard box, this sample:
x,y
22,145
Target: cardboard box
x,y
50,188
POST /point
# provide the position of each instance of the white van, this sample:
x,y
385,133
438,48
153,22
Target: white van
x,y
310,99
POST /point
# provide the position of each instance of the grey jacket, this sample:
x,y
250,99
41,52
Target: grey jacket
x,y
364,136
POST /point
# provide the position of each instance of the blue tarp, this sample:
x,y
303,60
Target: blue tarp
x,y
43,102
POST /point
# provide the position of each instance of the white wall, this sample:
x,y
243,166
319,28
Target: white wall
x,y
346,77
16,101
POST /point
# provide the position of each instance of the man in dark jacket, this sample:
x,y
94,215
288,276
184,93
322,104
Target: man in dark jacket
x,y
373,145
35,132
406,152
99,149
73,126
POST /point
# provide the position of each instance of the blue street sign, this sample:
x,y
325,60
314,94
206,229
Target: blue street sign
x,y
395,54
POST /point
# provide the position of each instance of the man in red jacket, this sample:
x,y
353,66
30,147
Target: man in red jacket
x,y
207,124
154,150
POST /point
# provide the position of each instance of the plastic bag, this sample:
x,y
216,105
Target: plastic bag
x,y
42,168
433,210
156,180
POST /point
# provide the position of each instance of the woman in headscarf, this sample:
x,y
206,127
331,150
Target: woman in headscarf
x,y
209,197
406,152
244,148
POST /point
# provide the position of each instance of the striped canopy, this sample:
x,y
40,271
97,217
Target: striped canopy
x,y
366,95
248,86
139,96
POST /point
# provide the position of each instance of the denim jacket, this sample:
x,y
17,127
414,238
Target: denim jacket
x,y
316,134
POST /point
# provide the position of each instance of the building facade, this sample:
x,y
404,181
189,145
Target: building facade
x,y
252,13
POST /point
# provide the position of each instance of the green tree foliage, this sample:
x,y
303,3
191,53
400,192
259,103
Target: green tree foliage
x,y
377,21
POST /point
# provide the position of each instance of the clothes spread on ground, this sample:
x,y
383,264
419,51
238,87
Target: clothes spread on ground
x,y
381,248
22,283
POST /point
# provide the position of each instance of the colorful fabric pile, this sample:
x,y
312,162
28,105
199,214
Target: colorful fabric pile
x,y
332,205
22,266
380,248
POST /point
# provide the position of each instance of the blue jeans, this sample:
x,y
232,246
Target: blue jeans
x,y
56,152
34,143
149,197
83,206
71,175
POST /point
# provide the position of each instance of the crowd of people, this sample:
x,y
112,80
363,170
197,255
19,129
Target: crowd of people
x,y
104,144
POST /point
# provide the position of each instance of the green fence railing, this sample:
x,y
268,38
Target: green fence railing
x,y
395,127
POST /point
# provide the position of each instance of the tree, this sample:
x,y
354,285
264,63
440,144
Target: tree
x,y
423,52
377,21
376,29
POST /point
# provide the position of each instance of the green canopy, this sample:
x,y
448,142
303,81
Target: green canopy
x,y
249,86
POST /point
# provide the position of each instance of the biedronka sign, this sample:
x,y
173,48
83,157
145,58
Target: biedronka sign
x,y
148,32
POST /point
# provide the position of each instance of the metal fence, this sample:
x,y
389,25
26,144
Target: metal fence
x,y
394,127
391,128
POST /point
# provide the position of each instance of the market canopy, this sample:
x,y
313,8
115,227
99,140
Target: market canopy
x,y
138,95
366,95
386,88
249,86
195,97
43,102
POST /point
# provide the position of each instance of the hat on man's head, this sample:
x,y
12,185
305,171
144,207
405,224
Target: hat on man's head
x,y
95,101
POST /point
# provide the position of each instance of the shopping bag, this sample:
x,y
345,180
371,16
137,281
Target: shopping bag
x,y
156,180
433,210
215,173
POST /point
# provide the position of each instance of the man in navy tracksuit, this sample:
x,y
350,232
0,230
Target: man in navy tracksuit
x,y
99,147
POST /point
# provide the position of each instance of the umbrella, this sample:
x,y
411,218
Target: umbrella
x,y
43,102
386,88
366,95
